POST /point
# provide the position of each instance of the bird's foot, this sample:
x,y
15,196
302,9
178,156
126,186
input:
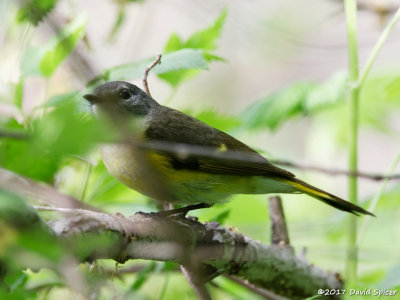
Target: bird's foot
x,y
182,211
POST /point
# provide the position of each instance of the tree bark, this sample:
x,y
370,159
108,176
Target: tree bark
x,y
210,248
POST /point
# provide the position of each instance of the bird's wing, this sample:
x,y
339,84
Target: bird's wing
x,y
215,151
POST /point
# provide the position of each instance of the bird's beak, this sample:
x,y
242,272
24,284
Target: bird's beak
x,y
92,98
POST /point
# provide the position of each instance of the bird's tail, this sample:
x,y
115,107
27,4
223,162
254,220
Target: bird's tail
x,y
325,197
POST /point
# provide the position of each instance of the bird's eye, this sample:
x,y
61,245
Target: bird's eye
x,y
125,94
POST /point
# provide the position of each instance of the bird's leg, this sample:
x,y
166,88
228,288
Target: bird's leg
x,y
182,211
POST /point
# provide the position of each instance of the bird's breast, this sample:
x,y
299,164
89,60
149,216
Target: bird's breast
x,y
122,162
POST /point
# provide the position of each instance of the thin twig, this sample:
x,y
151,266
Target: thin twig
x,y
13,135
199,288
146,73
43,193
259,291
377,48
187,150
59,209
377,197
280,235
371,176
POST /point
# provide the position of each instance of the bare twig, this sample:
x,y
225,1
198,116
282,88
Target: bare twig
x,y
199,287
146,73
13,135
371,176
187,150
44,193
280,235
261,292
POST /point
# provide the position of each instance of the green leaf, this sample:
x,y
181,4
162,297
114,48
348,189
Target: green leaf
x,y
219,121
315,297
17,295
62,46
13,209
19,93
45,59
372,277
143,276
181,67
206,39
380,97
300,98
182,60
179,60
271,111
330,92
118,21
393,89
29,234
222,216
63,99
392,279
203,40
35,10
16,280
174,78
174,43
60,132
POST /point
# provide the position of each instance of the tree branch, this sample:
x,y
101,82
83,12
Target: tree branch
x,y
187,242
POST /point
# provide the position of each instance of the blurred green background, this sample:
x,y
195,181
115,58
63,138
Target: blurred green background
x,y
271,73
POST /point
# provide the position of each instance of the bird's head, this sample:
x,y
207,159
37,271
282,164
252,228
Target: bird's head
x,y
120,98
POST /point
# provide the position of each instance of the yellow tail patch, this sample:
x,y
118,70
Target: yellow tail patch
x,y
306,189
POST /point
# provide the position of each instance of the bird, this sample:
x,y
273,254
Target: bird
x,y
219,166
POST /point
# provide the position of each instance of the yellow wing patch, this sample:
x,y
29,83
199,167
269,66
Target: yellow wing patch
x,y
222,148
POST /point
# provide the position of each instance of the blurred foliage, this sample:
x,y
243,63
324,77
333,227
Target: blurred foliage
x,y
60,132
299,98
217,120
25,241
57,147
34,11
45,59
203,40
120,18
178,60
181,61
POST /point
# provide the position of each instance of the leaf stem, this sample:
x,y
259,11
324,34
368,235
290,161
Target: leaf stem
x,y
85,181
351,16
378,46
377,196
356,81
